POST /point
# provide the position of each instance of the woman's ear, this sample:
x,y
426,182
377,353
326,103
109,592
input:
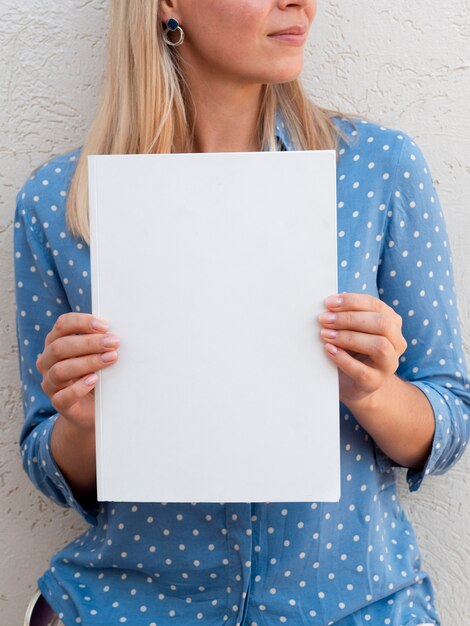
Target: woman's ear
x,y
168,9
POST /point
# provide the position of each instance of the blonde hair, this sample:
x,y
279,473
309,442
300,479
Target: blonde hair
x,y
144,107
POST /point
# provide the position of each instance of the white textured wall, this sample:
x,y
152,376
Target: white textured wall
x,y
403,64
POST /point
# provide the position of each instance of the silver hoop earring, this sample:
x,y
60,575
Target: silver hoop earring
x,y
171,26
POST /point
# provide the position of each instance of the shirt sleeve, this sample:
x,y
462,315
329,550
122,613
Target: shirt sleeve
x,y
40,299
416,278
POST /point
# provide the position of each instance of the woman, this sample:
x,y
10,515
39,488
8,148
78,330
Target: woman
x,y
222,76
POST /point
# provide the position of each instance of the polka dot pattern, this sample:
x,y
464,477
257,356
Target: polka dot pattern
x,y
262,564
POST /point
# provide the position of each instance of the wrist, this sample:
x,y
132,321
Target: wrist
x,y
73,434
73,450
70,445
400,419
369,404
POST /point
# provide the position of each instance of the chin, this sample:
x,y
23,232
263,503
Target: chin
x,y
284,77
285,74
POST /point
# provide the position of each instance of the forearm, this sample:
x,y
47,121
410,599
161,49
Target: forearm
x,y
400,419
74,453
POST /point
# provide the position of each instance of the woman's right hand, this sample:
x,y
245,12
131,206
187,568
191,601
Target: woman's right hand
x,y
75,348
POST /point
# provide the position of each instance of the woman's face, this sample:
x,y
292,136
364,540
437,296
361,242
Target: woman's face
x,y
237,39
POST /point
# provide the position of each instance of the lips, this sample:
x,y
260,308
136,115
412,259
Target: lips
x,y
298,29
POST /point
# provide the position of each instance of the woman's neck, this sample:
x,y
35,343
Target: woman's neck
x,y
225,116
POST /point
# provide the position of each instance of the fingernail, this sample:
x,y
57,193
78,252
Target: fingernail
x,y
334,301
108,356
110,340
327,317
331,348
99,323
328,332
91,379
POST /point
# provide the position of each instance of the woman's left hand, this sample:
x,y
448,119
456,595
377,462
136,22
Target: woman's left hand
x,y
364,340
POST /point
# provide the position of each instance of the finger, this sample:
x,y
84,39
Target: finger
x,y
71,323
76,345
62,373
367,378
375,323
65,398
366,302
377,348
359,302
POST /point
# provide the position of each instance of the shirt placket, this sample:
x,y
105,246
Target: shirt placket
x,y
239,539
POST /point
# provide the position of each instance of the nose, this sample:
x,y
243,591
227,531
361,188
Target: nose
x,y
308,5
284,4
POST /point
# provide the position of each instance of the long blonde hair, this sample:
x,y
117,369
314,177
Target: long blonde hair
x,y
145,109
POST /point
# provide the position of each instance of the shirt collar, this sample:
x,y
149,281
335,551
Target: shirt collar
x,y
281,133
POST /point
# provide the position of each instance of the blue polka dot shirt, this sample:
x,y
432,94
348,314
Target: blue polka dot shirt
x,y
262,564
